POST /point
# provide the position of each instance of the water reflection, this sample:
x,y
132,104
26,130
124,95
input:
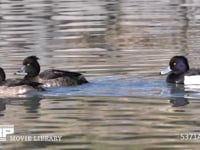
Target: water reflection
x,y
93,122
31,103
120,46
178,93
2,105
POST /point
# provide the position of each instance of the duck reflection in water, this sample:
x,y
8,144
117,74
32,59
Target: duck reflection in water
x,y
2,105
177,92
31,103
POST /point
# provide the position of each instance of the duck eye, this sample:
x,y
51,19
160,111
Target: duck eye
x,y
174,64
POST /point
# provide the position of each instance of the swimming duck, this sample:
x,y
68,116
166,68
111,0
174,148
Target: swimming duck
x,y
12,87
51,77
179,71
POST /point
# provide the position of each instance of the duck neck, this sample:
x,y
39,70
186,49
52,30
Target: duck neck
x,y
32,79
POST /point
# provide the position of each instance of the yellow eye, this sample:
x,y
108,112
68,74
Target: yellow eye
x,y
27,64
174,63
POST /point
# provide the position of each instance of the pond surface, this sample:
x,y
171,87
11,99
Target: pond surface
x,y
120,47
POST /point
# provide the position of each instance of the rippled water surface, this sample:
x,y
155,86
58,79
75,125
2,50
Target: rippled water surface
x,y
120,47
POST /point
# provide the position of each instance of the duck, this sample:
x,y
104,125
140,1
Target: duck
x,y
49,78
179,72
13,87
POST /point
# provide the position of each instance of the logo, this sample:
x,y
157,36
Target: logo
x,y
5,130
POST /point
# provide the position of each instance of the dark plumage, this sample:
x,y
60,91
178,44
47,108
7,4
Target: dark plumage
x,y
11,87
179,71
51,77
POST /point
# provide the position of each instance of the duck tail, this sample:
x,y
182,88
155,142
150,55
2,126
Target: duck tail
x,y
82,80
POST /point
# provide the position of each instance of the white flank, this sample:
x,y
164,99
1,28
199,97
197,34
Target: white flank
x,y
22,91
195,79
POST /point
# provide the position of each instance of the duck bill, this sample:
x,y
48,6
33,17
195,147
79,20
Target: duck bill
x,y
165,71
21,71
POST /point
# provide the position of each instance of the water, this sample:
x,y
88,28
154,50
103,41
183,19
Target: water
x,y
120,46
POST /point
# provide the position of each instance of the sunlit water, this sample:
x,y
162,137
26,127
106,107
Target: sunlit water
x,y
120,47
